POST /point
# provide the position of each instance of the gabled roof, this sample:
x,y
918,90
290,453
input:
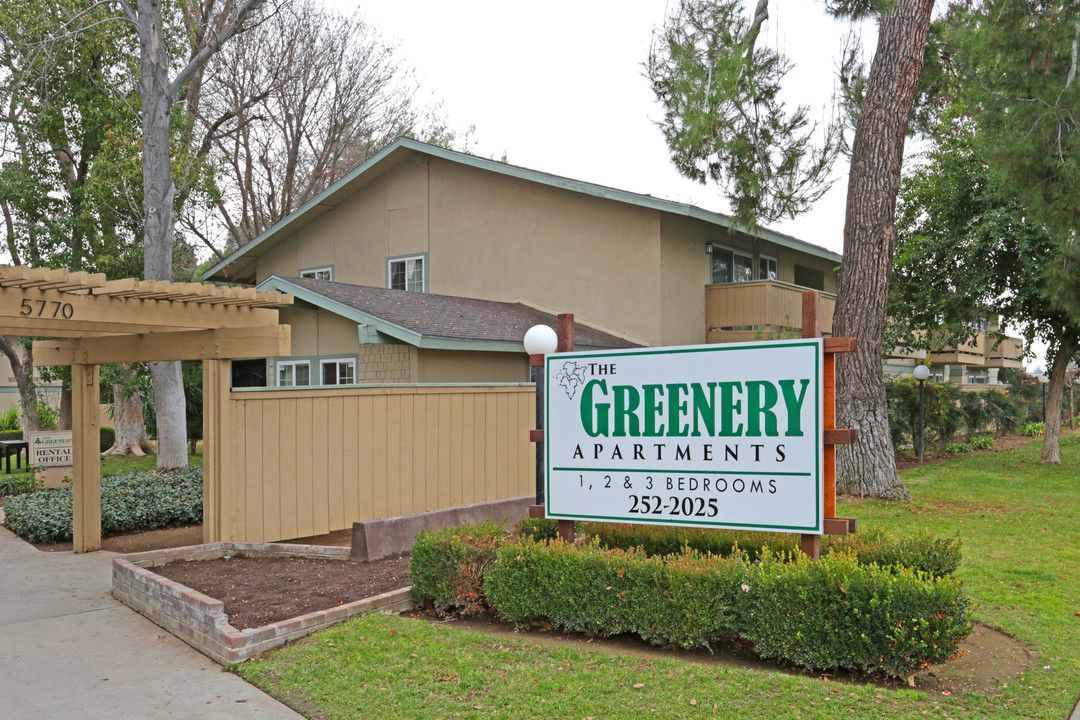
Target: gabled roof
x,y
434,321
403,147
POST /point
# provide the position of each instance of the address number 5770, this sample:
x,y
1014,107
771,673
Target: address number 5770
x,y
58,309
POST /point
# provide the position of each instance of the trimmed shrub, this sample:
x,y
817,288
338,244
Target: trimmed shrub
x,y
447,565
687,600
108,437
130,502
923,552
537,528
11,435
834,613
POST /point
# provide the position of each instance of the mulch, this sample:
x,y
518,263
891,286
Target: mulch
x,y
258,591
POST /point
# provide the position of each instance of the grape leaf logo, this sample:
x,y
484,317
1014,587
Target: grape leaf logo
x,y
571,377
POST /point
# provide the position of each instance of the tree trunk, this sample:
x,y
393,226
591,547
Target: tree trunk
x,y
130,430
158,195
22,367
869,466
1054,391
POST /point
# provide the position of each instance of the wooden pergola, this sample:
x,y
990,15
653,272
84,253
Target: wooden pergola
x,y
115,321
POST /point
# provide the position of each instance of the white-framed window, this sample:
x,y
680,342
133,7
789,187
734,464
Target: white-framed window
x,y
339,371
406,273
766,267
293,373
731,266
323,273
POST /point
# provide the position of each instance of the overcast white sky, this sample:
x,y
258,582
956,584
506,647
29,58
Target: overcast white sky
x,y
558,86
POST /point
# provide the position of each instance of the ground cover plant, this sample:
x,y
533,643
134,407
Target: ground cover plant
x,y
1016,519
130,502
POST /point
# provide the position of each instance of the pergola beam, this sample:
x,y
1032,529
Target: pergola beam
x,y
31,311
221,344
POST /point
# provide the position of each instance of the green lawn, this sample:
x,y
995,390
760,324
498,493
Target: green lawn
x,y
1018,522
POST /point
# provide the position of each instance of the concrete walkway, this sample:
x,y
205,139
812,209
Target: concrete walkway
x,y
68,649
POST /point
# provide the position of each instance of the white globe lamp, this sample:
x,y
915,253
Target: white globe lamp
x,y
921,372
541,340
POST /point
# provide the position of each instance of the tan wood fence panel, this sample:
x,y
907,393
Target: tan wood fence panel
x,y
307,462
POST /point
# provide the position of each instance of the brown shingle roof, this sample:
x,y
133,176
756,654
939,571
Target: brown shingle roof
x,y
450,317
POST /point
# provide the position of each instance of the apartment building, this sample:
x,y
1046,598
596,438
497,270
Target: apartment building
x,y
427,265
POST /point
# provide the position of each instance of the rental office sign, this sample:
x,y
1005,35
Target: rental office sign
x,y
724,436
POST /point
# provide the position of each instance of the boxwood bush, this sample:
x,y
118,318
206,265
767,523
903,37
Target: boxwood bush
x,y
927,553
447,565
130,502
835,613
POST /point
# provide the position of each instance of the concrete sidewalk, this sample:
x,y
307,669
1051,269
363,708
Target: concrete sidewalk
x,y
68,649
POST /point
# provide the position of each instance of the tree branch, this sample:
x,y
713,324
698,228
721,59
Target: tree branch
x,y
211,47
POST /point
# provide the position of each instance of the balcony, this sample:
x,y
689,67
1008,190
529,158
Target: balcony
x,y
1009,353
981,352
759,310
969,353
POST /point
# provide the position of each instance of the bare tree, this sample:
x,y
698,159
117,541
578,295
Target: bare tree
x,y
209,24
292,105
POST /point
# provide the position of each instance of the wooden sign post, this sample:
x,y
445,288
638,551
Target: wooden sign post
x,y
811,328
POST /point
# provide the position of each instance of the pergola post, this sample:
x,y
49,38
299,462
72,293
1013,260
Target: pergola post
x,y
86,439
217,383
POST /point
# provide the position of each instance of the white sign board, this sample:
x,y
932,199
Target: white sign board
x,y
727,436
51,448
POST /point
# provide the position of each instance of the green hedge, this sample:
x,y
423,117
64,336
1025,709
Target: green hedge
x,y
830,614
924,552
442,566
130,502
108,437
11,435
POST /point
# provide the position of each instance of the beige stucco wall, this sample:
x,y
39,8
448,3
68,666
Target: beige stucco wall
x,y
320,332
685,269
502,238
445,366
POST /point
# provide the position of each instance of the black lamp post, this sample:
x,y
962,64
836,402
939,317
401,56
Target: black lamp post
x,y
1043,380
921,373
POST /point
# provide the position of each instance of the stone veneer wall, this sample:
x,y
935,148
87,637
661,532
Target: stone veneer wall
x,y
201,622
383,364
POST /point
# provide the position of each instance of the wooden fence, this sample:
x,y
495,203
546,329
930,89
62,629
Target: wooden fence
x,y
303,462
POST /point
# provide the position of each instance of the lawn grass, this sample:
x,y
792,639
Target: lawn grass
x,y
1016,518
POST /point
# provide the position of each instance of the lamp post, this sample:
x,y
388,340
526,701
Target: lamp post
x,y
921,373
539,341
1043,380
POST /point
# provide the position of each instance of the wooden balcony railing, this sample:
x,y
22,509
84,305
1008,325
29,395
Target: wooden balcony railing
x,y
763,309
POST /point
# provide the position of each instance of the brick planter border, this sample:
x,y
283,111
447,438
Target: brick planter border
x,y
201,622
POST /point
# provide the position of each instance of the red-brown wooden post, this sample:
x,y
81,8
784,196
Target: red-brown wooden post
x,y
564,328
811,328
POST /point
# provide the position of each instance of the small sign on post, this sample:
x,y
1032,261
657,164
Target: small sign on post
x,y
51,448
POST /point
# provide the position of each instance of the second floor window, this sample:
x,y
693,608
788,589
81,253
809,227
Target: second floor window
x,y
324,273
407,273
766,268
731,266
